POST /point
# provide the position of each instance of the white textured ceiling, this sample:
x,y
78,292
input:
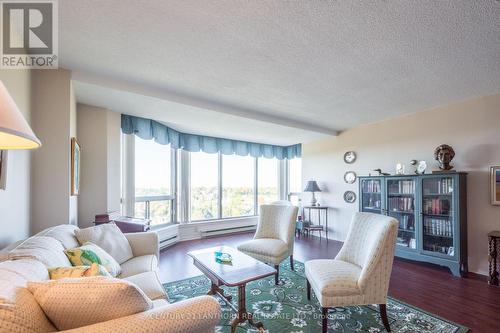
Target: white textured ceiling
x,y
322,66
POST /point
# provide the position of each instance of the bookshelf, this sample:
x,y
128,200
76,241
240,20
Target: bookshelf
x,y
432,215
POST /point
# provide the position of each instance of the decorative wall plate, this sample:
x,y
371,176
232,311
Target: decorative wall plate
x,y
350,157
349,196
350,177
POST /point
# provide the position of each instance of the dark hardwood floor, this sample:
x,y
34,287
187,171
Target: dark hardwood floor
x,y
468,301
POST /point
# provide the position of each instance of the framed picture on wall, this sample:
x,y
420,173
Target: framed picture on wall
x,y
495,185
3,169
75,167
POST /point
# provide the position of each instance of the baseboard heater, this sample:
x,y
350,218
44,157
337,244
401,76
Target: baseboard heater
x,y
224,231
164,243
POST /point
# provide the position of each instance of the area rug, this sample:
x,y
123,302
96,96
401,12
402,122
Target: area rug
x,y
285,308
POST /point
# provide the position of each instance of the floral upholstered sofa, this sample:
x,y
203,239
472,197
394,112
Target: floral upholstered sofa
x,y
27,262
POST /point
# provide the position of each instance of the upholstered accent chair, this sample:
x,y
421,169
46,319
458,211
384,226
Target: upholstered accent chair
x,y
360,272
274,239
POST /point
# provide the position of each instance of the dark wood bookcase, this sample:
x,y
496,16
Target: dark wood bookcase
x,y
432,214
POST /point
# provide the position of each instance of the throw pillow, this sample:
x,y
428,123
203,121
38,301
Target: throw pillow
x,y
45,249
78,271
72,303
110,238
89,253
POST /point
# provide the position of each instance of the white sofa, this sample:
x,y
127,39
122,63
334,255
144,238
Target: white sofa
x,y
28,261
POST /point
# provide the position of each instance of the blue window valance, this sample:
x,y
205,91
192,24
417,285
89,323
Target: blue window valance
x,y
148,129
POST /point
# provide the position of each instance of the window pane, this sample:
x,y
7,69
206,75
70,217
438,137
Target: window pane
x,y
152,178
238,182
295,175
204,186
268,180
160,212
152,168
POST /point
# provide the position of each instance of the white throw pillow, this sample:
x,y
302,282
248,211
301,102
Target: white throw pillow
x,y
72,303
110,238
48,250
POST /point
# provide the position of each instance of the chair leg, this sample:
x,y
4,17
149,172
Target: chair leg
x,y
291,263
276,276
324,319
308,290
383,315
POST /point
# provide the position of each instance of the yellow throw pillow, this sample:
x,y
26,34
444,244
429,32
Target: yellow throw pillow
x,y
78,271
89,253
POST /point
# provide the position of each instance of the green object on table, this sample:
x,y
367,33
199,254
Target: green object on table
x,y
222,257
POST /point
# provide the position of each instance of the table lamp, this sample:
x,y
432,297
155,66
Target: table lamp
x,y
15,133
312,186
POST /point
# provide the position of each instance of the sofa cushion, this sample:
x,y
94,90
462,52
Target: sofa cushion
x,y
137,265
48,250
78,272
72,303
89,253
333,277
110,238
64,233
150,284
19,311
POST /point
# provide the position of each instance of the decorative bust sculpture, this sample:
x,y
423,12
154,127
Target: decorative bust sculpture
x,y
444,154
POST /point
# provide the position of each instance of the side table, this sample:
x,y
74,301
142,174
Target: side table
x,y
316,227
493,256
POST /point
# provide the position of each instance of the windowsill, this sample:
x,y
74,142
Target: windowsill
x,y
163,226
223,219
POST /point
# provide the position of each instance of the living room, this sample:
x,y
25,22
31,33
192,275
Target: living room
x,y
250,166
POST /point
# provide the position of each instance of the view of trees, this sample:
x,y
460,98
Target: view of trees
x,y
237,201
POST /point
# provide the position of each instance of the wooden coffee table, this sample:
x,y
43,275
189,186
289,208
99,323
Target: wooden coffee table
x,y
242,270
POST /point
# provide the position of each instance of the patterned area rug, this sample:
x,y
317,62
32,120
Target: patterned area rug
x,y
285,308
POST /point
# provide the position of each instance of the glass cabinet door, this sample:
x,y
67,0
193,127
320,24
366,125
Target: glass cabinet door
x,y
371,196
401,206
437,213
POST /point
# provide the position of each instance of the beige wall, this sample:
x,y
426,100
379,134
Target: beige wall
x,y
99,136
471,127
51,164
15,200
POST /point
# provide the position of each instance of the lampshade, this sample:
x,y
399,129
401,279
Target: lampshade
x,y
15,133
312,186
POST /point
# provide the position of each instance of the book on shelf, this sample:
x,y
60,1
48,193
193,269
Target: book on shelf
x,y
406,222
371,186
404,204
442,186
404,187
438,227
437,206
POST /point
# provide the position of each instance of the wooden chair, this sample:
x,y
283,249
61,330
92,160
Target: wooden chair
x,y
360,273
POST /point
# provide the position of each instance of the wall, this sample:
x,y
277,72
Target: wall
x,y
54,124
471,127
15,200
99,137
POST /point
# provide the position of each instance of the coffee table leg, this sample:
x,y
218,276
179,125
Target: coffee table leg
x,y
216,290
242,314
